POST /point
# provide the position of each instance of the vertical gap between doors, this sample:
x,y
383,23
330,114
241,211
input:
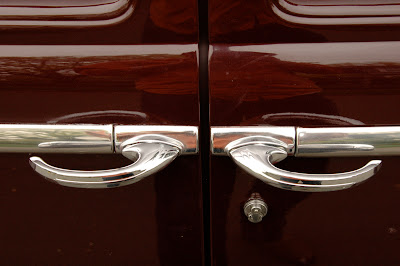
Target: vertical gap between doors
x,y
204,125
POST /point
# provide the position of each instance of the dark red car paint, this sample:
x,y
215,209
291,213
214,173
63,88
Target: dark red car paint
x,y
265,71
58,75
158,220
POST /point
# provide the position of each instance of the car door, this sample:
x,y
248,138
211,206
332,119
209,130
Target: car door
x,y
76,78
280,70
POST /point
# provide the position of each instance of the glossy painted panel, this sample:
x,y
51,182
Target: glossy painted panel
x,y
309,85
260,21
305,84
152,21
106,74
358,226
343,2
18,13
148,223
99,84
339,8
54,3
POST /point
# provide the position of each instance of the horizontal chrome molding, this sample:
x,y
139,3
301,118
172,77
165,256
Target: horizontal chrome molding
x,y
348,141
56,138
222,136
313,142
86,138
187,135
86,16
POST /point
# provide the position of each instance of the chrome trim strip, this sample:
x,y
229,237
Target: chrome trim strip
x,y
222,136
187,135
313,142
29,138
348,141
85,138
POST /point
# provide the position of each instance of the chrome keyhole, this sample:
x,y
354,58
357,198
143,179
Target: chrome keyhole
x,y
255,210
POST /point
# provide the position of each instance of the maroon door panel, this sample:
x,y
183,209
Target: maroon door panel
x,y
301,85
150,222
137,66
264,70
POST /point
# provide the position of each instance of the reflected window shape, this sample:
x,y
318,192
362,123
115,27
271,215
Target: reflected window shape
x,y
64,13
338,12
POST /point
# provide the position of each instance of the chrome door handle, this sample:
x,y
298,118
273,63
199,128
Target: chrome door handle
x,y
150,147
258,158
256,149
151,153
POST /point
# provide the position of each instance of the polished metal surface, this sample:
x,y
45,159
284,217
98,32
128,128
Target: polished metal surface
x,y
348,141
255,210
257,159
256,149
87,138
150,147
222,136
314,142
150,152
30,138
187,135
66,16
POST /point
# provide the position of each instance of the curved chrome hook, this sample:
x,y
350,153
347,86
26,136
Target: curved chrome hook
x,y
151,152
257,159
